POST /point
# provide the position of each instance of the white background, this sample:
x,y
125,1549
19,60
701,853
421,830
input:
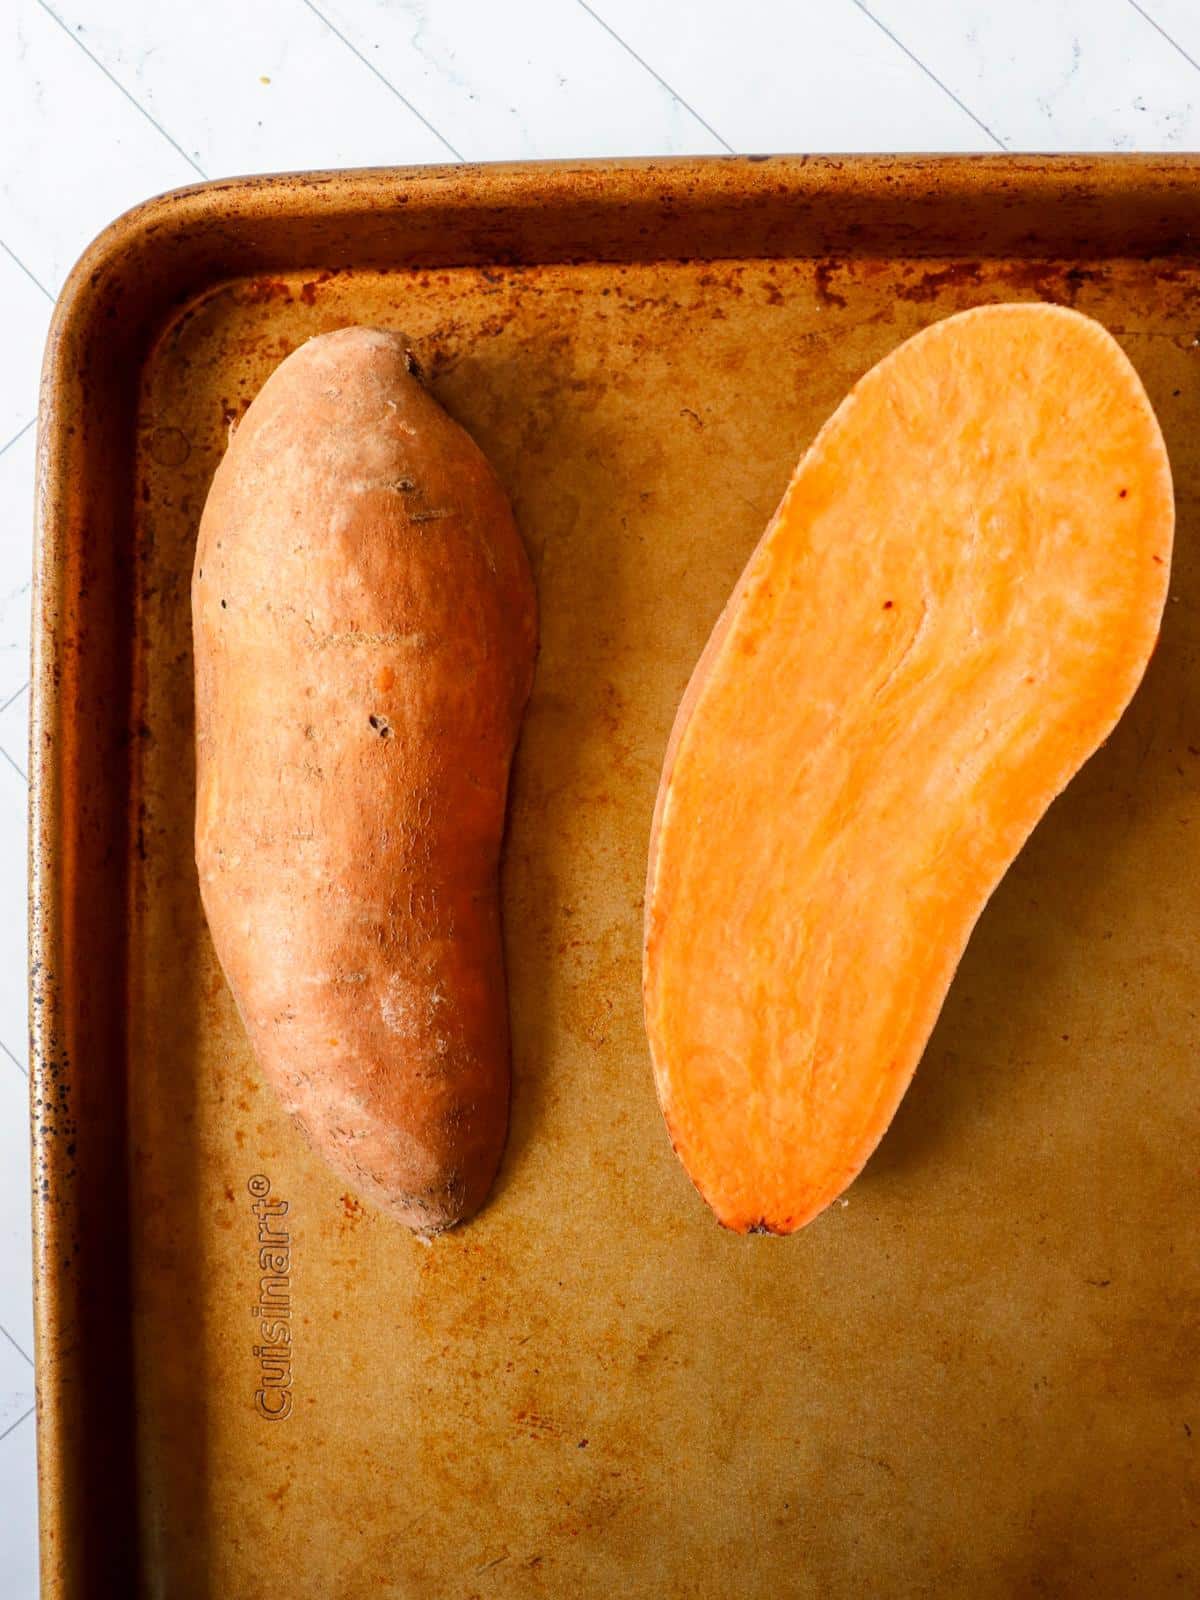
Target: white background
x,y
105,102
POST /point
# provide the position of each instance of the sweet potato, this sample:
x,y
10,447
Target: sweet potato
x,y
949,611
365,630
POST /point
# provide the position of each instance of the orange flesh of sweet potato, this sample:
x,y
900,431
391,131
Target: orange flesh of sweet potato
x,y
365,630
949,611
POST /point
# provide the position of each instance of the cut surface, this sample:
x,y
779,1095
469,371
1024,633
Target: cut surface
x,y
948,613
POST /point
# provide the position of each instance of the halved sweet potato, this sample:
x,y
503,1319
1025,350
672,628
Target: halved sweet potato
x,y
948,613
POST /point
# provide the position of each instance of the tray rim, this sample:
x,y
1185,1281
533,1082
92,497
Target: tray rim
x,y
153,231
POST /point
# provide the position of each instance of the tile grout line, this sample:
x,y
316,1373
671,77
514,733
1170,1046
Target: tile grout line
x,y
117,84
658,78
931,75
1158,28
20,434
24,1071
37,282
23,776
387,83
19,692
14,1344
19,1421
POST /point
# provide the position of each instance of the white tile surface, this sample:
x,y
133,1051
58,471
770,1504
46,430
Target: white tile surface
x,y
104,102
14,732
74,151
286,84
18,1496
16,1271
16,549
767,76
26,318
558,85
1179,21
1057,74
16,1383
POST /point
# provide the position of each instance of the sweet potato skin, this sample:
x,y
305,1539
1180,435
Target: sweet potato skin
x,y
365,632
948,613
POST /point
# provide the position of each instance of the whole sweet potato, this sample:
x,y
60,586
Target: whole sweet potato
x,y
365,633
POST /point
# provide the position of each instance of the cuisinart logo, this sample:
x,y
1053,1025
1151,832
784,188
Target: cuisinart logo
x,y
273,1397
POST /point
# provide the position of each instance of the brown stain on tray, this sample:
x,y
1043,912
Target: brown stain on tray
x,y
926,1391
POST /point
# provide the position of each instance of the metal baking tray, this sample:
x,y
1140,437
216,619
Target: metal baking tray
x,y
977,1375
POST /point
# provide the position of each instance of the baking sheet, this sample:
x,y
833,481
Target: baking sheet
x,y
974,1376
